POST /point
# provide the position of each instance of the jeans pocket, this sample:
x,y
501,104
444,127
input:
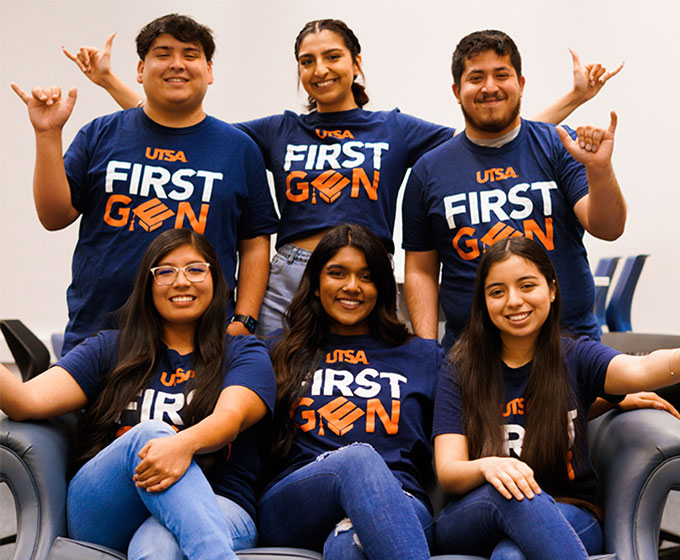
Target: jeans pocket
x,y
277,264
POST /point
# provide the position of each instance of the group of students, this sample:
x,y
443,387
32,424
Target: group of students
x,y
191,438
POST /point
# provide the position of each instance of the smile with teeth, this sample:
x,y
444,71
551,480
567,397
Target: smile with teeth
x,y
518,316
349,302
181,299
325,83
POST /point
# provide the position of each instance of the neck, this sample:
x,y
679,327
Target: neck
x,y
174,119
180,338
474,133
517,352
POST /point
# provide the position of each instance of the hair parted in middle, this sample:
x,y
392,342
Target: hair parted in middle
x,y
350,40
480,41
307,327
476,357
140,345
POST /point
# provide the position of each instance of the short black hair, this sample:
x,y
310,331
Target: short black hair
x,y
182,28
480,41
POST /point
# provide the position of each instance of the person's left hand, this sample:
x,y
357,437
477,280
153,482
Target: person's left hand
x,y
590,78
647,400
593,146
164,462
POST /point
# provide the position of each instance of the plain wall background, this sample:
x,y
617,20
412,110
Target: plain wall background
x,y
406,47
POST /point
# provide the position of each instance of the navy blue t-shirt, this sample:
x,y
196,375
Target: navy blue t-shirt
x,y
461,198
586,363
367,391
131,179
247,364
344,166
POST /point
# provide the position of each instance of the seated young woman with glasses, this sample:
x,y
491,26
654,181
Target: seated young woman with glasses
x,y
161,472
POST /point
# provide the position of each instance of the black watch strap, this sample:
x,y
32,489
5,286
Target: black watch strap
x,y
249,322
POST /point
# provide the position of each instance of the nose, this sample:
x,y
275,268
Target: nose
x,y
489,84
514,298
177,62
181,279
320,68
352,284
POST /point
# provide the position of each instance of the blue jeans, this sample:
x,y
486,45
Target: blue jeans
x,y
348,504
105,507
285,274
485,523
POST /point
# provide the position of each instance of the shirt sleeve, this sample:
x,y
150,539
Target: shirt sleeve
x,y
417,234
258,216
448,408
421,136
261,130
91,362
590,359
248,365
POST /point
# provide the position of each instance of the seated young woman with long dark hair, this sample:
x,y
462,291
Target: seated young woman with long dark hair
x,y
510,418
354,406
165,393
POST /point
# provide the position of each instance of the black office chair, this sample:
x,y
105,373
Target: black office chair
x,y
30,354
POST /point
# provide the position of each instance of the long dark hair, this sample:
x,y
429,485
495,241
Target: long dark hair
x,y
307,327
351,42
140,343
477,359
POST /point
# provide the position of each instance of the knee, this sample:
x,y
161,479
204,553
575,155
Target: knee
x,y
355,460
153,541
507,550
144,431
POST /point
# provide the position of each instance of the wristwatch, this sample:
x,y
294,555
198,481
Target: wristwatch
x,y
249,322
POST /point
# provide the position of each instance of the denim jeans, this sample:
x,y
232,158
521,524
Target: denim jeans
x,y
285,274
105,507
309,509
485,523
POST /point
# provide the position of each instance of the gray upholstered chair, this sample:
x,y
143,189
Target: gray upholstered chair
x,y
637,455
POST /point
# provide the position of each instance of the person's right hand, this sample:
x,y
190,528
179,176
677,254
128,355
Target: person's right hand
x,y
47,110
511,477
94,63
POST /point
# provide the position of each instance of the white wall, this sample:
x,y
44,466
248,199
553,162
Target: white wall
x,y
406,48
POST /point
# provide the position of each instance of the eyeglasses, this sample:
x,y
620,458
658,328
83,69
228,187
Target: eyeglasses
x,y
167,274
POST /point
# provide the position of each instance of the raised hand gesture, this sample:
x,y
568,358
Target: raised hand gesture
x,y
93,62
593,146
590,78
47,110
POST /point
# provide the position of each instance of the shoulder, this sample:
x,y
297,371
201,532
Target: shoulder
x,y
585,352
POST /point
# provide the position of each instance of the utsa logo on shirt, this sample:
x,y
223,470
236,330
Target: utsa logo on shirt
x,y
320,172
514,433
341,400
494,206
166,193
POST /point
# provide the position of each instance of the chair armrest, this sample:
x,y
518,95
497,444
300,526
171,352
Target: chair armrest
x,y
637,457
33,464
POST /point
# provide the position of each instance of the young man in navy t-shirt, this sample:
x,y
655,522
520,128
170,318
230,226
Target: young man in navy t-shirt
x,y
136,173
505,176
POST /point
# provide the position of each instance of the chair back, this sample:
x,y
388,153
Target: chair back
x,y
30,354
618,310
605,268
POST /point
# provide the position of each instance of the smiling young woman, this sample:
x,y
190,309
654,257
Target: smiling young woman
x,y
352,422
510,416
163,396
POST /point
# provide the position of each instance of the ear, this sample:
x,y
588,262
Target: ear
x,y
521,85
211,78
316,292
454,87
357,65
140,71
553,291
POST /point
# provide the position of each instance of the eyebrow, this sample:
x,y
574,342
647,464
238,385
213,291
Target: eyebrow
x,y
327,51
521,279
169,48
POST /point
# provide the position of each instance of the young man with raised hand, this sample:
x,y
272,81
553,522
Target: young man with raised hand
x,y
505,176
136,173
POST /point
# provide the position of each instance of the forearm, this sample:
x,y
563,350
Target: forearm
x,y
122,94
631,374
212,433
421,287
606,205
559,110
459,477
51,191
253,274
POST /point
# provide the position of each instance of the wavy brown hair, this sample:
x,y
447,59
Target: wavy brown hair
x,y
307,328
140,346
549,396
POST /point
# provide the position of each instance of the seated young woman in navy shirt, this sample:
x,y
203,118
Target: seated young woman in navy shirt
x,y
354,408
510,416
168,445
